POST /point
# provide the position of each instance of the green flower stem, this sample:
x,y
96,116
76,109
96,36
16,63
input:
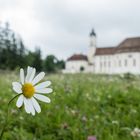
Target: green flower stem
x,y
7,115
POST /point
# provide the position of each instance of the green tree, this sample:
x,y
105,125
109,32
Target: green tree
x,y
50,63
11,45
60,64
37,63
34,59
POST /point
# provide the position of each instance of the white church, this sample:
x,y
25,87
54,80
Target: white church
x,y
120,59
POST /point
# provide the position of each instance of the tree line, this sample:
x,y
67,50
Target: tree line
x,y
14,54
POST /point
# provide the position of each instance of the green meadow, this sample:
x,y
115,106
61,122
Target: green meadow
x,y
107,107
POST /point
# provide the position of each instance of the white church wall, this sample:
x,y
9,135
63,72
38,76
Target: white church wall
x,y
103,64
75,66
108,64
117,63
127,62
91,53
97,64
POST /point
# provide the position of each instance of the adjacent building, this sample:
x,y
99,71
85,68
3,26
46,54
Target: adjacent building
x,y
122,58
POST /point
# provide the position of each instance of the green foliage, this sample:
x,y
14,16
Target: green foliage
x,y
60,64
13,54
52,64
12,51
49,63
34,59
37,63
129,76
82,105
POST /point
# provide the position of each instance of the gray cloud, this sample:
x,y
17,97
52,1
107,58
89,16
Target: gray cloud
x,y
62,27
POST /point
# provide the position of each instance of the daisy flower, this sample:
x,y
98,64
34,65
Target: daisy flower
x,y
29,89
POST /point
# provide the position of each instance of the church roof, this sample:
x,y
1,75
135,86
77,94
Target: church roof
x,y
134,41
129,45
76,57
102,51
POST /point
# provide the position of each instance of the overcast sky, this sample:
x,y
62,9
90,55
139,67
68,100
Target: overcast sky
x,y
61,27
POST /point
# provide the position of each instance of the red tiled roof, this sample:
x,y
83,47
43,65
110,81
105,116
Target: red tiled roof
x,y
77,57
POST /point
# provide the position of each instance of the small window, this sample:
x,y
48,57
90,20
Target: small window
x,y
109,64
125,62
101,64
134,62
104,64
120,63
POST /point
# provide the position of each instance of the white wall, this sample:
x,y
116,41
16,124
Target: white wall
x,y
127,62
107,64
92,49
103,64
118,63
74,66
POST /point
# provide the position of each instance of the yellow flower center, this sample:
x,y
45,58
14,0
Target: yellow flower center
x,y
28,90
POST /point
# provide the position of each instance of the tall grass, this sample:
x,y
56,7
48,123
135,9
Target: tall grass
x,y
82,105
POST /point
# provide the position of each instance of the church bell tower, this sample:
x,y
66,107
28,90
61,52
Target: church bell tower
x,y
92,46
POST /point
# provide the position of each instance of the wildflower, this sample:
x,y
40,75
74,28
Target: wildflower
x,y
115,122
84,118
96,116
133,111
135,132
64,125
73,112
91,138
29,90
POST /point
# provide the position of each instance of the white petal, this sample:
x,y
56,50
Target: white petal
x,y
20,101
17,87
22,76
42,98
39,77
28,106
36,105
32,75
31,107
16,84
44,90
29,72
43,85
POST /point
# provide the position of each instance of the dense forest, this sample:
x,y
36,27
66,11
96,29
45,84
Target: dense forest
x,y
14,54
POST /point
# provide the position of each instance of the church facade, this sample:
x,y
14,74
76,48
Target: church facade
x,y
123,58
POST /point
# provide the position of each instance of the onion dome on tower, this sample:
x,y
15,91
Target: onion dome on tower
x,y
92,33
